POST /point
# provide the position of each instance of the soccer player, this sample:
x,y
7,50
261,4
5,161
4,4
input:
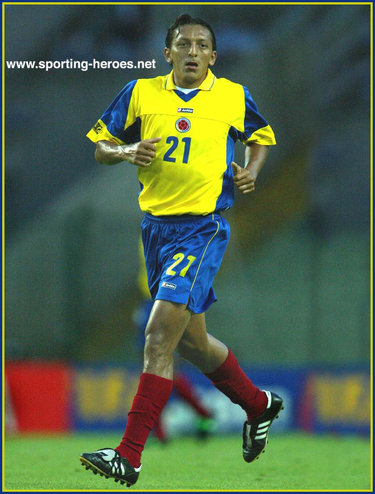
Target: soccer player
x,y
179,130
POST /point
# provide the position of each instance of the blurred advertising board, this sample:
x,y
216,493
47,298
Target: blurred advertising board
x,y
57,397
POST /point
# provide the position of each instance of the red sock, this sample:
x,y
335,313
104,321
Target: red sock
x,y
230,379
152,395
185,390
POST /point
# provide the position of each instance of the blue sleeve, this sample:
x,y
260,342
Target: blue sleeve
x,y
116,115
253,119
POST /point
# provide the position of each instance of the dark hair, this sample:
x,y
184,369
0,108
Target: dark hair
x,y
184,19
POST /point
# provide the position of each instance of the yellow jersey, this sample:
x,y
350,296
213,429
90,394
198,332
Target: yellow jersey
x,y
191,172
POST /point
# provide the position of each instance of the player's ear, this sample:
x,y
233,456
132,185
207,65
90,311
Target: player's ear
x,y
212,59
167,55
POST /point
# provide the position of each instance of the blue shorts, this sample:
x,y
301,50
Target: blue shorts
x,y
183,255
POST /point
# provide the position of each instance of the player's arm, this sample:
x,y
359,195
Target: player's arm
x,y
255,157
140,153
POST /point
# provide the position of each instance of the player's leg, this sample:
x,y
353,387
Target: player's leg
x,y
219,364
140,319
200,348
167,323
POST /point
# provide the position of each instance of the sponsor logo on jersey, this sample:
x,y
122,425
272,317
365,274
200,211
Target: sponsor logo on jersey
x,y
185,110
166,284
97,127
183,124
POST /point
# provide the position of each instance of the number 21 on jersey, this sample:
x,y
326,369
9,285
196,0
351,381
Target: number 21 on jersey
x,y
174,145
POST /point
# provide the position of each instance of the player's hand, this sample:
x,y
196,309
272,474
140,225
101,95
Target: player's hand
x,y
243,179
141,153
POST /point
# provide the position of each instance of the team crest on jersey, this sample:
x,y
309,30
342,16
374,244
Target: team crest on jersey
x,y
183,124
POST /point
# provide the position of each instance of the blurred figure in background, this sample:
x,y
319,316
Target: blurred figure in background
x,y
183,387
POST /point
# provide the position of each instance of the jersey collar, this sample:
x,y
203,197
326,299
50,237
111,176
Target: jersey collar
x,y
206,85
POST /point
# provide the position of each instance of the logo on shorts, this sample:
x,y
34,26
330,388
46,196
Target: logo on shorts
x,y
166,284
183,124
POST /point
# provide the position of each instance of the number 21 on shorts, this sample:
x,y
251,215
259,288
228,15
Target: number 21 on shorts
x,y
178,259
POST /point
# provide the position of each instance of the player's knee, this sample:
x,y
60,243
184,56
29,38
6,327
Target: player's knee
x,y
158,346
158,353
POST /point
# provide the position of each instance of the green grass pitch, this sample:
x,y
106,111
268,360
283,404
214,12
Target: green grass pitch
x,y
291,462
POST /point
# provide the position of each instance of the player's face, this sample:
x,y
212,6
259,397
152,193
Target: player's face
x,y
190,55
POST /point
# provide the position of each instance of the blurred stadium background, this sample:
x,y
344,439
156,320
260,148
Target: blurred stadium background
x,y
294,288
